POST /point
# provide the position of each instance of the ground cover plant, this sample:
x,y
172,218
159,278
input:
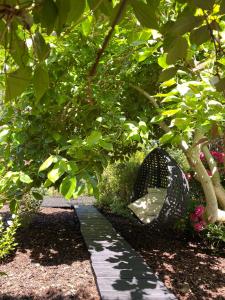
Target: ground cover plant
x,y
85,84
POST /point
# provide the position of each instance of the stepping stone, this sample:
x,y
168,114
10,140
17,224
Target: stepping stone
x,y
121,273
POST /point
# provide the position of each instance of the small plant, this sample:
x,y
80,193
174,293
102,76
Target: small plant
x,y
215,234
7,235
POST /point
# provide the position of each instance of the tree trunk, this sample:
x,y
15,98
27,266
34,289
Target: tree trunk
x,y
206,183
219,190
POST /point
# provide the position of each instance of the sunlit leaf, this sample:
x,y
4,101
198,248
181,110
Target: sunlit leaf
x,y
25,178
68,186
47,163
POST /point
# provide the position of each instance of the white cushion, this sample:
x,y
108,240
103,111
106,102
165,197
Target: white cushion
x,y
148,207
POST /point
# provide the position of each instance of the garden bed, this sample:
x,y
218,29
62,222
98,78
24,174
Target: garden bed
x,y
51,261
187,267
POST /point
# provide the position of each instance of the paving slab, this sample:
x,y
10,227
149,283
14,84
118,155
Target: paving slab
x,y
61,202
121,273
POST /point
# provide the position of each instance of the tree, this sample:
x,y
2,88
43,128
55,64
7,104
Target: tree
x,y
185,37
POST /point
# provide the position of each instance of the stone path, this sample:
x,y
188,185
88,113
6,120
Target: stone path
x,y
121,274
58,202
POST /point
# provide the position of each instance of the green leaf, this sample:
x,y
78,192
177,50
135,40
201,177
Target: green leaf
x,y
72,167
3,274
58,170
47,163
40,47
177,51
86,26
144,14
13,205
168,83
48,15
166,137
167,74
94,138
162,61
47,183
17,82
19,50
157,119
180,123
25,178
41,81
184,24
204,4
200,35
68,186
37,195
171,112
105,145
63,7
76,10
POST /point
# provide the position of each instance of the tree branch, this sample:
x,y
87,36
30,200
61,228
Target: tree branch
x,y
107,38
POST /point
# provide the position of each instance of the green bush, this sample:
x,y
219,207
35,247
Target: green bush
x,y
116,186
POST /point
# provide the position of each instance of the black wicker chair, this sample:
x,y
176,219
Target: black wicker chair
x,y
160,170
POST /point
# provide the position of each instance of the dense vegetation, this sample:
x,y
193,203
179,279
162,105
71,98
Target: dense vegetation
x,y
88,83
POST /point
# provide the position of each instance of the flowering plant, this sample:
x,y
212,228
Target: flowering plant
x,y
197,218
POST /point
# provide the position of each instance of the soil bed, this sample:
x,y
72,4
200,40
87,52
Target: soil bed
x,y
188,268
51,261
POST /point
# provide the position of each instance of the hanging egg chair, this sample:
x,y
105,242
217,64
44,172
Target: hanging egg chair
x,y
161,191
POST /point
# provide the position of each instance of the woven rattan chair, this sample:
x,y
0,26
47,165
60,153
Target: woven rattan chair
x,y
161,171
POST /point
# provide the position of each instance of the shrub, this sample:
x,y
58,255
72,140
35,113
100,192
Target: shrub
x,y
7,235
30,204
215,234
116,186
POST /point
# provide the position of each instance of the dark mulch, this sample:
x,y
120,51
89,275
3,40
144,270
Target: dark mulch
x,y
186,266
51,261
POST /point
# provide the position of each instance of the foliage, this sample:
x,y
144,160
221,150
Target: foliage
x,y
7,235
70,81
30,205
116,185
179,157
215,235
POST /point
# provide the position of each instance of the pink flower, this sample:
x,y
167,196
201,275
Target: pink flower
x,y
199,226
202,155
218,156
199,210
193,218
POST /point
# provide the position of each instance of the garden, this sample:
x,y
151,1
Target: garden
x,y
89,90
